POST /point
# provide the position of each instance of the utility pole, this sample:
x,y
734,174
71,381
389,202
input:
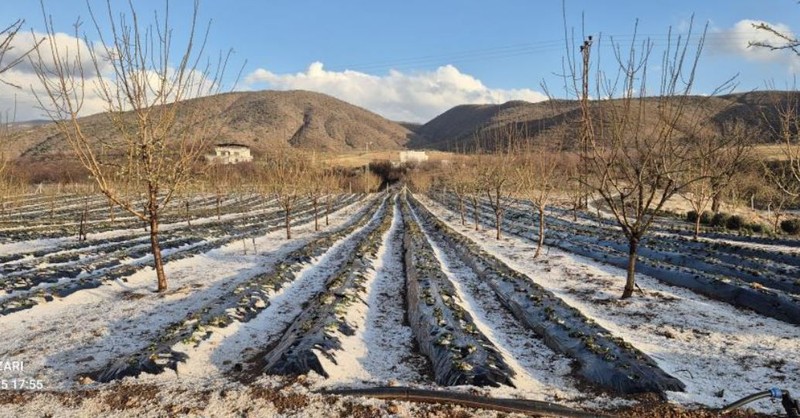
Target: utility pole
x,y
586,126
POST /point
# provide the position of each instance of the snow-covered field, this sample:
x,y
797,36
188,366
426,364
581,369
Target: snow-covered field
x,y
79,319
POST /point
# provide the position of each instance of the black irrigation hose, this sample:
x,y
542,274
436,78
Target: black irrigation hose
x,y
465,399
790,405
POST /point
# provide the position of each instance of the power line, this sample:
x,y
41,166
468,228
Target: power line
x,y
715,39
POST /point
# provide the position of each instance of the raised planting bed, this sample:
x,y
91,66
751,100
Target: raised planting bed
x,y
604,360
754,294
459,353
244,303
111,269
316,330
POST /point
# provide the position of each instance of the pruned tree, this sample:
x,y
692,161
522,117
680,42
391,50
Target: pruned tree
x,y
640,144
285,178
540,173
334,187
218,177
474,189
5,184
785,172
319,188
457,181
9,58
729,152
420,181
718,158
496,173
143,77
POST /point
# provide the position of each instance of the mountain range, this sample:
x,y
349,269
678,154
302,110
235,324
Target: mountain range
x,y
315,121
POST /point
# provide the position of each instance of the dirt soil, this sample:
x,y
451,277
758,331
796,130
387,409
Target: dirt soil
x,y
286,399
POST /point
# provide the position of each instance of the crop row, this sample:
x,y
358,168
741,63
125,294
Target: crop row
x,y
444,331
603,359
112,269
316,329
242,304
760,293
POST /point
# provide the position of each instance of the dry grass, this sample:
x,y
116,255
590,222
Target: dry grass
x,y
361,158
771,152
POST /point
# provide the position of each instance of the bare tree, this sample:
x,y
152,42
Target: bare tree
x,y
420,181
333,183
9,58
143,79
474,189
5,184
718,158
496,170
540,172
319,188
640,146
285,177
785,173
457,180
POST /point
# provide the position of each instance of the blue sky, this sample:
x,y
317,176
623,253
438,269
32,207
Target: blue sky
x,y
410,60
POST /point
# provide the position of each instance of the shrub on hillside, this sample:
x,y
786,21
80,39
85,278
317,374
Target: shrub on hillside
x,y
735,222
705,217
719,219
760,228
791,226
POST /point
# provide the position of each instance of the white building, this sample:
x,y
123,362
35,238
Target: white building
x,y
230,154
413,156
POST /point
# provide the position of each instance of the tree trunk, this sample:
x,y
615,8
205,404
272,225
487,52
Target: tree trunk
x,y
630,282
327,210
287,220
475,214
188,218
461,210
498,219
111,210
156,248
697,227
219,198
540,241
316,218
152,210
82,226
716,201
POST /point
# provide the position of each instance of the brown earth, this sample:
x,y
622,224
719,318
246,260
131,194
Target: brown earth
x,y
261,120
288,399
462,126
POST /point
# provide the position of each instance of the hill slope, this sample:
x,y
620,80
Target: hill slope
x,y
258,119
458,128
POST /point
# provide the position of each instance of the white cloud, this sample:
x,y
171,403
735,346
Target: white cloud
x,y
737,39
21,85
412,97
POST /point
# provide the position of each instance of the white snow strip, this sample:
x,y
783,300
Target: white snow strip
x,y
380,351
239,341
86,330
720,352
540,373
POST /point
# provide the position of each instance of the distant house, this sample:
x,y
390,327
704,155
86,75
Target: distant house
x,y
413,156
230,154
